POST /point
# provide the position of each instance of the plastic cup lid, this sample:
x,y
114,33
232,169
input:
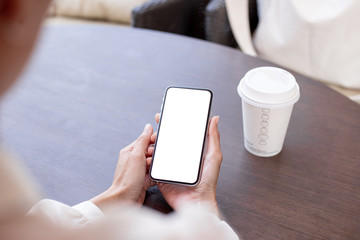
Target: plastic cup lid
x,y
269,87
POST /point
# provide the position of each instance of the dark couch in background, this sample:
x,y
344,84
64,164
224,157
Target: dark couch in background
x,y
204,19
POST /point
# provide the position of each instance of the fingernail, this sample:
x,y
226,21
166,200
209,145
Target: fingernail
x,y
217,120
147,127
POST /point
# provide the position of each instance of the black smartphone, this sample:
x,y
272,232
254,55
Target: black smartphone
x,y
180,143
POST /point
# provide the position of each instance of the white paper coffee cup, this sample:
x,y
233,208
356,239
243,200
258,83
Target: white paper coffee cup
x,y
268,95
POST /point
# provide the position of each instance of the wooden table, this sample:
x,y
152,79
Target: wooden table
x,y
90,90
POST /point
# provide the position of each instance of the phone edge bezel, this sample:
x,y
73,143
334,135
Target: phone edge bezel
x,y
204,141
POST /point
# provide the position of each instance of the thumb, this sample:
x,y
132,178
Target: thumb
x,y
143,141
214,146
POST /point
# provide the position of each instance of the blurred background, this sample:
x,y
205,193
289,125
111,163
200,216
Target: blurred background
x,y
202,19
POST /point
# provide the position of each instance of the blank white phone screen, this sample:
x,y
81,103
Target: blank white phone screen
x,y
181,135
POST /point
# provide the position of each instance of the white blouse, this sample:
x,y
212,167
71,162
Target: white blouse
x,y
191,222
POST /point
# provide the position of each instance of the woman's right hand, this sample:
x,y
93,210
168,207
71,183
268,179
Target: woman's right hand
x,y
205,192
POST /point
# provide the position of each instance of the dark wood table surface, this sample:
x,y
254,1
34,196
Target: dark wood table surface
x,y
90,90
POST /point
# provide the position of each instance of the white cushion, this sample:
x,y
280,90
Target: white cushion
x,y
110,10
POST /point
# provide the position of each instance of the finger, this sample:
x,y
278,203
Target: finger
x,y
157,117
131,145
150,151
214,147
143,141
148,163
153,138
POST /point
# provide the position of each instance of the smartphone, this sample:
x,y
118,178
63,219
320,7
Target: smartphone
x,y
180,143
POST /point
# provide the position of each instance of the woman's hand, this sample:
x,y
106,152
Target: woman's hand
x,y
131,178
205,192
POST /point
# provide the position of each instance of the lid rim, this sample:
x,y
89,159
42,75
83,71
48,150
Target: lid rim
x,y
291,101
271,99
